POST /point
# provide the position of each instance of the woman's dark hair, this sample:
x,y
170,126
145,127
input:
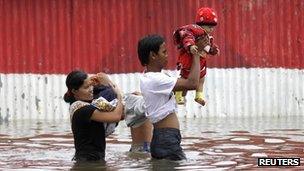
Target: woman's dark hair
x,y
74,80
150,43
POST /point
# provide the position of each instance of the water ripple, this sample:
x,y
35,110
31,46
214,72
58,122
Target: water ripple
x,y
209,144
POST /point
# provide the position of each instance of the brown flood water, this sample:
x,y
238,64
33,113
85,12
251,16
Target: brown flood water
x,y
209,143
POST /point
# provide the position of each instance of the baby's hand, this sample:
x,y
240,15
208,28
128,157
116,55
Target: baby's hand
x,y
214,50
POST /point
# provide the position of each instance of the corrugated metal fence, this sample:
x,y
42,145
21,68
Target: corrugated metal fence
x,y
229,93
43,36
259,71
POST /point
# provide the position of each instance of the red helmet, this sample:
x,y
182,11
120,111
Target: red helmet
x,y
206,16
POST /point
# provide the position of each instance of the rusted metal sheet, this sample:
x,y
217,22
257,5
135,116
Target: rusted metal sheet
x,y
43,36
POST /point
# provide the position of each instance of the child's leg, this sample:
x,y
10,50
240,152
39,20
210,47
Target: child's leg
x,y
199,97
179,97
185,93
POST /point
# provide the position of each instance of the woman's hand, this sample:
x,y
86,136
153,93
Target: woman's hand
x,y
101,79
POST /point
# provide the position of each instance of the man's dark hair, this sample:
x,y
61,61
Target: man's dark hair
x,y
147,44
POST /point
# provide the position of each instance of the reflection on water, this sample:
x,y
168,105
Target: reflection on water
x,y
210,144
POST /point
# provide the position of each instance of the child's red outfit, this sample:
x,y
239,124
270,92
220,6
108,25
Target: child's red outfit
x,y
185,37
185,60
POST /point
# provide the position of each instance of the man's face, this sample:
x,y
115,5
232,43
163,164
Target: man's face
x,y
162,55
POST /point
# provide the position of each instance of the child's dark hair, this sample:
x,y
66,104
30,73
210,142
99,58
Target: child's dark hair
x,y
74,80
150,43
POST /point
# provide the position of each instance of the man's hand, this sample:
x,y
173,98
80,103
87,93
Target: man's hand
x,y
193,50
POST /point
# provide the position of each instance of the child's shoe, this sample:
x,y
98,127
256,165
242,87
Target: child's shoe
x,y
199,98
180,99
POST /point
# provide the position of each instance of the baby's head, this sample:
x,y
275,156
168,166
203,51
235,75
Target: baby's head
x,y
206,18
152,51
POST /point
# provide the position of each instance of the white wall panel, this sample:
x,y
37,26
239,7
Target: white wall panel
x,y
229,93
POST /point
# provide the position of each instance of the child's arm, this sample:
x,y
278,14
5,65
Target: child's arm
x,y
188,39
184,38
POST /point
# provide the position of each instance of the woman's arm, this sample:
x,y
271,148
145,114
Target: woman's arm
x,y
116,115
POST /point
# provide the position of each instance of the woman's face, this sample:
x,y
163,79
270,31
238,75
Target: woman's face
x,y
85,92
